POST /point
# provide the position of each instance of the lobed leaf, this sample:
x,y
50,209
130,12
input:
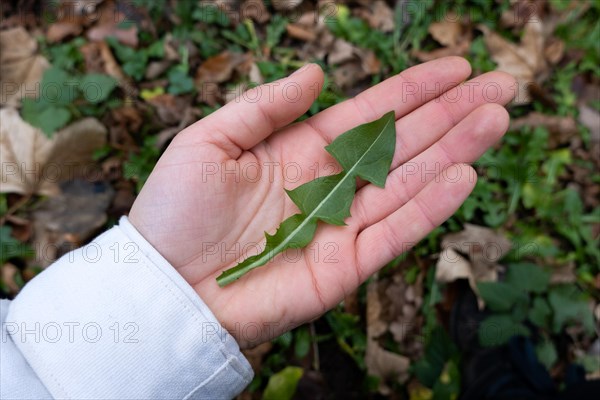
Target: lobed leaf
x,y
366,152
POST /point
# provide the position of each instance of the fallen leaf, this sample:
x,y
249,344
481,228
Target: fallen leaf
x,y
255,75
341,52
590,118
384,364
169,107
451,34
448,31
451,266
190,115
109,25
255,10
99,59
554,51
563,273
156,68
68,220
22,228
286,5
482,247
16,44
525,61
255,355
33,163
378,15
123,122
300,32
219,68
7,276
561,129
62,29
347,75
369,62
21,69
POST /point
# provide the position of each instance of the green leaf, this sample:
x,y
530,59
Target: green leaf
x,y
11,247
302,342
97,87
282,385
180,82
546,353
496,330
438,351
540,312
366,152
309,198
58,87
499,296
53,118
570,304
528,277
49,118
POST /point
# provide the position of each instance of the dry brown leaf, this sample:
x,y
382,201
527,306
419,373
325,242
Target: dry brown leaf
x,y
190,115
561,129
381,363
68,220
554,51
301,32
255,10
448,31
21,69
369,61
219,68
67,155
169,107
563,273
347,75
378,15
99,59
255,355
60,30
16,44
386,365
286,5
108,24
483,248
341,52
156,68
451,34
526,61
127,36
7,275
255,75
451,266
590,118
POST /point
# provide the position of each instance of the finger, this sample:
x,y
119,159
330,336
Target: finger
x,y
465,143
385,240
250,118
402,93
424,126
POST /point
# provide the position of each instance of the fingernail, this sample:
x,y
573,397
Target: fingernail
x,y
302,69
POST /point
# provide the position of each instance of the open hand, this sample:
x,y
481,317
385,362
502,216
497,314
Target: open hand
x,y
220,185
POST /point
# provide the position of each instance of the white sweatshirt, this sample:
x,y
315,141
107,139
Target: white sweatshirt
x,y
113,320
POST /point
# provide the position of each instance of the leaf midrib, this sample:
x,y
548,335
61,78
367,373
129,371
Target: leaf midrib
x,y
287,240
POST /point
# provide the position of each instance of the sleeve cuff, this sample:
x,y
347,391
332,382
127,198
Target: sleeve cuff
x,y
114,319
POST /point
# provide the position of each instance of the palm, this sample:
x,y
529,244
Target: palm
x,y
220,185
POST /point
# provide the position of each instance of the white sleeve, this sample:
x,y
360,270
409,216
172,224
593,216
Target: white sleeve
x,y
114,320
